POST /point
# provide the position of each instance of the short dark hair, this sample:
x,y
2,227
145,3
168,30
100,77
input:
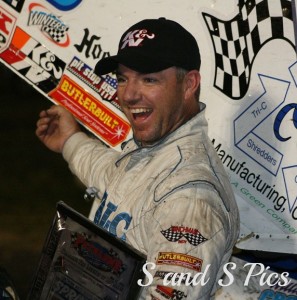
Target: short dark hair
x,y
180,75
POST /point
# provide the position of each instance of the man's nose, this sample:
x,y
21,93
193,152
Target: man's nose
x,y
130,92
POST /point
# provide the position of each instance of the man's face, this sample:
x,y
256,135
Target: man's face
x,y
153,103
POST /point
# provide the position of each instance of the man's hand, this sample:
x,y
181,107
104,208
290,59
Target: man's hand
x,y
55,126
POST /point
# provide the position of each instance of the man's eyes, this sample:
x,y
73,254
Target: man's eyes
x,y
149,80
120,79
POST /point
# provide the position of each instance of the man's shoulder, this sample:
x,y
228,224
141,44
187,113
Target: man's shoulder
x,y
191,168
196,167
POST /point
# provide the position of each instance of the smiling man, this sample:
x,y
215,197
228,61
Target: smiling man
x,y
154,103
166,193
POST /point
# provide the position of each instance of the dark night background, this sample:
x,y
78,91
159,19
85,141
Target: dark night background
x,y
32,180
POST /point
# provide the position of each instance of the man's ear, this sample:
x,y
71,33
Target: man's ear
x,y
192,83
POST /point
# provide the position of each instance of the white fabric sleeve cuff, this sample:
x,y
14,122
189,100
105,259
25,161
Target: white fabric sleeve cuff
x,y
71,144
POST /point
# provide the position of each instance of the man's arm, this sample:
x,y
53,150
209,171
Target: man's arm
x,y
89,159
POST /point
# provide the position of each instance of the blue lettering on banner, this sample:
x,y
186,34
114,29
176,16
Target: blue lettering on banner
x,y
279,118
102,218
64,4
247,138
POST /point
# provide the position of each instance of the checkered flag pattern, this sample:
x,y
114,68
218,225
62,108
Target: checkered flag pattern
x,y
56,34
172,236
178,295
236,42
193,238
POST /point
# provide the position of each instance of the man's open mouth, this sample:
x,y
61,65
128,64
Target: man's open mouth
x,y
140,113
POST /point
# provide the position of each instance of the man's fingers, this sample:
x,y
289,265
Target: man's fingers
x,y
46,117
43,114
55,110
43,121
41,131
55,126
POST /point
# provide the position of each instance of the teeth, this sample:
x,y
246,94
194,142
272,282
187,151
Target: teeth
x,y
139,110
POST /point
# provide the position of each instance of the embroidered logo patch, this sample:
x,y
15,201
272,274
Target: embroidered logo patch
x,y
180,259
182,234
135,37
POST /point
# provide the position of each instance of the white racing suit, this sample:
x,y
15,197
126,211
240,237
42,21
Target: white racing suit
x,y
171,201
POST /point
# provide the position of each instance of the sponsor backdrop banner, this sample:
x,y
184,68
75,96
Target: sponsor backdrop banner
x,y
249,78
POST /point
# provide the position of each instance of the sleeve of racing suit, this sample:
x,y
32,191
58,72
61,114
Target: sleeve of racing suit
x,y
187,235
90,160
